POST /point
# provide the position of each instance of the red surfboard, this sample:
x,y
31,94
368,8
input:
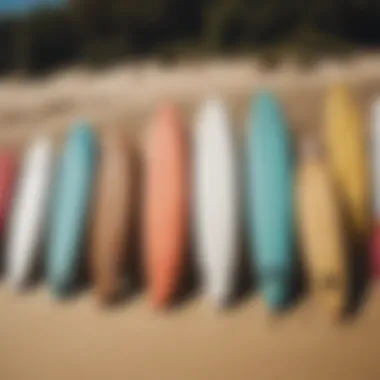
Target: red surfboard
x,y
8,171
165,205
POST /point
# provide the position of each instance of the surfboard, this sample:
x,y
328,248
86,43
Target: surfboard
x,y
70,208
270,199
8,177
27,221
375,158
375,171
165,205
321,230
216,201
111,217
347,157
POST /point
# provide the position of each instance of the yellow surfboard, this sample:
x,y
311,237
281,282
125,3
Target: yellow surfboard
x,y
321,232
347,157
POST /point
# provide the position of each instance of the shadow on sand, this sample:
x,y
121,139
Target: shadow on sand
x,y
358,256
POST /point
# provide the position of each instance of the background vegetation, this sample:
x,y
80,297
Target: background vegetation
x,y
104,31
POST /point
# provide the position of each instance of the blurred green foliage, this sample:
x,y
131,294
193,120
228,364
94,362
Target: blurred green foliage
x,y
104,31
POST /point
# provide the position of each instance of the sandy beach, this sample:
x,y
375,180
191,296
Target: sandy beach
x,y
42,339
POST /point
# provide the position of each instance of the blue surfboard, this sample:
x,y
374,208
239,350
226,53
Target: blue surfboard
x,y
270,199
70,205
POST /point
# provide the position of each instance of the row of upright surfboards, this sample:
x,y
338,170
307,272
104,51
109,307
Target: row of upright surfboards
x,y
80,203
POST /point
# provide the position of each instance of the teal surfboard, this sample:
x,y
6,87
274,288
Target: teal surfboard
x,y
270,199
70,206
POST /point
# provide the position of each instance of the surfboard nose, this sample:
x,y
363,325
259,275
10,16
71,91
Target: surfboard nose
x,y
266,112
265,100
167,114
338,90
82,131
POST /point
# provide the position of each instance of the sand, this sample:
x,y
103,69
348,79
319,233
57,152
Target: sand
x,y
42,339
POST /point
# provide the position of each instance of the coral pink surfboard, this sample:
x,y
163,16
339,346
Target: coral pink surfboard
x,y
8,173
165,205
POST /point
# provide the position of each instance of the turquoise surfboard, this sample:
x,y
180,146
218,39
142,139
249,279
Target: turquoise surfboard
x,y
270,199
70,205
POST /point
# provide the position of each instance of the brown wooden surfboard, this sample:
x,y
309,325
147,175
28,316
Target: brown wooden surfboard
x,y
111,218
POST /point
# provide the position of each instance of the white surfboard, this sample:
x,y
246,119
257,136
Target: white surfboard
x,y
29,212
216,201
375,153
